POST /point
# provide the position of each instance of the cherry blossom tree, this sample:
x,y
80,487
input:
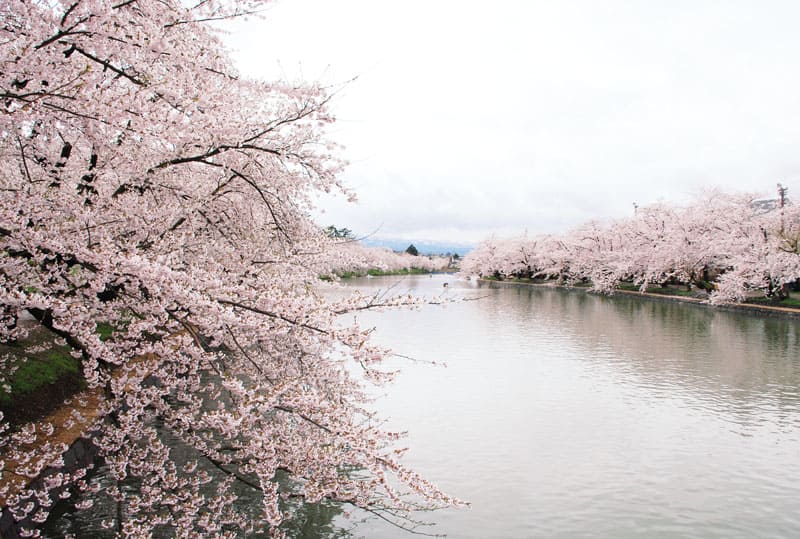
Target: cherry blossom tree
x,y
148,187
480,261
762,255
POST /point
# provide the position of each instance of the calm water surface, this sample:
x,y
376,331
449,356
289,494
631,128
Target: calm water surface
x,y
563,414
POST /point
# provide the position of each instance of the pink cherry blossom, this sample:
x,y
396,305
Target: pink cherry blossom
x,y
148,186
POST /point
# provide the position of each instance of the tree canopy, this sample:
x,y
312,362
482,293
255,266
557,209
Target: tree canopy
x,y
149,187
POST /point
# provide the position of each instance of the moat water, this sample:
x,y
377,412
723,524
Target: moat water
x,y
565,414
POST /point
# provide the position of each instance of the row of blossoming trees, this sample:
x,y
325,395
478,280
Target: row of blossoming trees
x,y
722,244
148,187
352,257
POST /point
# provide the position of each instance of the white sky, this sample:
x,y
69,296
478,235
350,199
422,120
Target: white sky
x,y
472,118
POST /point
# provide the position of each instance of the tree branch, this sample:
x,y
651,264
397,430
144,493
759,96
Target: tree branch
x,y
270,315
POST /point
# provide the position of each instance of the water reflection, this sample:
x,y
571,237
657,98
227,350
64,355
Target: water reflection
x,y
563,414
725,362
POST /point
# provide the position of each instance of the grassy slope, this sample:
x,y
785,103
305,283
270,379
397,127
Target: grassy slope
x,y
37,376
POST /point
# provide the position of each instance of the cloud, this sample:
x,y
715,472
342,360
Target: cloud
x,y
468,118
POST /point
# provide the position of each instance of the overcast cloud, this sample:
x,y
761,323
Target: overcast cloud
x,y
474,118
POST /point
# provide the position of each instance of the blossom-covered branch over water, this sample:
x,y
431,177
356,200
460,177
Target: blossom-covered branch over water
x,y
150,189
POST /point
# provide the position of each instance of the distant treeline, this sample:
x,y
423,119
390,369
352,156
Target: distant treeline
x,y
353,258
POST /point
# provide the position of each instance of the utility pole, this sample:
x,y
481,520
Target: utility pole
x,y
782,194
782,200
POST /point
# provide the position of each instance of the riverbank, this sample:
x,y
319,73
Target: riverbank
x,y
764,310
386,273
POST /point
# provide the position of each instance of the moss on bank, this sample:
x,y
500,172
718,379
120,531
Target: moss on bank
x,y
37,376
788,302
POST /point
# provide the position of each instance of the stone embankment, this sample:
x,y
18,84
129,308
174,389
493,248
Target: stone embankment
x,y
764,310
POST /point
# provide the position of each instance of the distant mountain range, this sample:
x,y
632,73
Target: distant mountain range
x,y
424,247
